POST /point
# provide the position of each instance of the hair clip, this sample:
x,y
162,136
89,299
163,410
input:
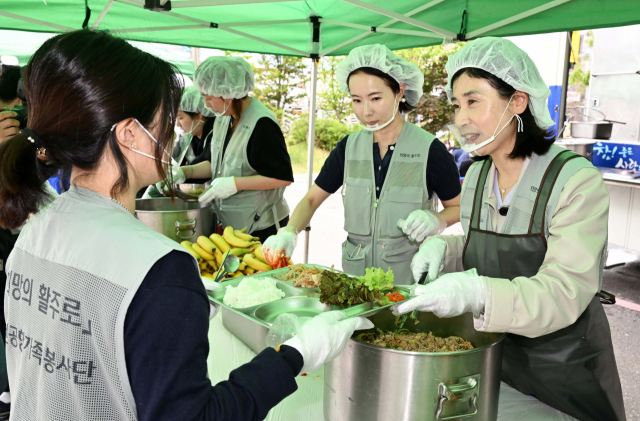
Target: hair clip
x,y
113,127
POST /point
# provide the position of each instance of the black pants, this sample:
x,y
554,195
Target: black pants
x,y
269,231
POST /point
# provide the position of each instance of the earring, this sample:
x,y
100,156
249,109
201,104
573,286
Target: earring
x,y
404,99
133,145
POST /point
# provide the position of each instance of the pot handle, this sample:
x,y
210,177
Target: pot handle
x,y
462,391
185,226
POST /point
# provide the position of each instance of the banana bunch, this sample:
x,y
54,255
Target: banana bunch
x,y
210,251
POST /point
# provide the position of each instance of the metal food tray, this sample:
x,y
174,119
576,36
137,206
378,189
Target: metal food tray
x,y
252,324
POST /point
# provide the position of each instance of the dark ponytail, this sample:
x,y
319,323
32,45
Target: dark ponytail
x,y
22,178
79,84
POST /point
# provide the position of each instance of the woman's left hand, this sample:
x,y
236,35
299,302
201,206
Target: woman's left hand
x,y
450,295
221,188
421,224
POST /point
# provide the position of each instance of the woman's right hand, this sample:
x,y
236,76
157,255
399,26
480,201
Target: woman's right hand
x,y
280,245
429,258
177,177
324,337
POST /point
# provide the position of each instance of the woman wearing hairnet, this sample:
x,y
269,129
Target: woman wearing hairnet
x,y
249,162
535,220
131,326
195,127
389,172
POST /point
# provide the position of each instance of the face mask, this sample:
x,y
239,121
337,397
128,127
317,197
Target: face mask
x,y
377,125
152,138
473,148
217,114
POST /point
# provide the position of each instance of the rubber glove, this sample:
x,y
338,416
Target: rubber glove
x,y
429,258
221,188
280,245
450,295
421,224
324,337
177,177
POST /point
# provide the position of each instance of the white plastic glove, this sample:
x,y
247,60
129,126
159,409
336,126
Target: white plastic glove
x,y
177,177
430,257
221,188
450,295
324,337
281,244
421,224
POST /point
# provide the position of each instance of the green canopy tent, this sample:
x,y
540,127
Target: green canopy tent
x,y
24,44
314,28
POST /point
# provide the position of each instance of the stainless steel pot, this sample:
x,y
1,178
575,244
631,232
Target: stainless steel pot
x,y
582,147
372,383
591,129
177,219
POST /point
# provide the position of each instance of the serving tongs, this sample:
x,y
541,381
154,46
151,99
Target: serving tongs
x,y
400,320
230,264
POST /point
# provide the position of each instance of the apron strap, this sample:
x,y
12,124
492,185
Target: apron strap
x,y
477,198
537,224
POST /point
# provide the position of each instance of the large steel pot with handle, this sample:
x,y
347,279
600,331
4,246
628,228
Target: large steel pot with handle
x,y
368,382
177,219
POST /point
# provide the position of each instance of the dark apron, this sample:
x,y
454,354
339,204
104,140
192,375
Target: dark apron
x,y
573,369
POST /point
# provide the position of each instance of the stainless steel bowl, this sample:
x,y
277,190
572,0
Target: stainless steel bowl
x,y
177,219
300,306
194,190
367,382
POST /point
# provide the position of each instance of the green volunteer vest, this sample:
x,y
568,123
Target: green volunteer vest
x,y
254,209
71,276
374,239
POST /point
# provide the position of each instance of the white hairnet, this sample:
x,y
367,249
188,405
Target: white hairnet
x,y
225,77
503,59
380,57
193,102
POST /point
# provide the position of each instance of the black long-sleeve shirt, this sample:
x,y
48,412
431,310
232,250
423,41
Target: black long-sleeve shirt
x,y
166,347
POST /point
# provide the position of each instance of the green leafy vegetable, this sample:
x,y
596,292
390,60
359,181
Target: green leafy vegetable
x,y
340,288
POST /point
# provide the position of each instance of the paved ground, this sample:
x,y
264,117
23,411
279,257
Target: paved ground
x,y
327,235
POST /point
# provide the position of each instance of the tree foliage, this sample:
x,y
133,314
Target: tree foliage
x,y
328,131
277,80
434,111
331,98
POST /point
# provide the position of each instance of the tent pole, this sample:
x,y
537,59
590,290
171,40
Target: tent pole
x,y
310,145
103,14
565,84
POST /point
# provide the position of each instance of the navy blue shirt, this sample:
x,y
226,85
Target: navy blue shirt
x,y
166,347
442,173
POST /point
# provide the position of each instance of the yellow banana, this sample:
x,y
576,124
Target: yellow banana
x,y
254,263
218,255
233,240
187,245
220,243
247,237
236,274
249,271
208,275
243,229
202,253
213,264
242,266
206,244
239,252
259,255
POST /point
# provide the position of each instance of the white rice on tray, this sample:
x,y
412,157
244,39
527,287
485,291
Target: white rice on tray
x,y
252,292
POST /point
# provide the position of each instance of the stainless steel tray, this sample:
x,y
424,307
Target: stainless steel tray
x,y
252,324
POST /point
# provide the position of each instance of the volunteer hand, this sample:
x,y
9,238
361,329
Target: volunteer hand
x,y
430,257
281,244
450,295
324,337
176,177
8,126
422,224
221,188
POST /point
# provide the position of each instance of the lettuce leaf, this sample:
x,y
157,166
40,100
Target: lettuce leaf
x,y
377,279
